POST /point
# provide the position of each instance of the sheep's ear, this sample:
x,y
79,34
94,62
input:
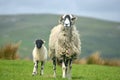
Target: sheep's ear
x,y
43,40
74,18
60,20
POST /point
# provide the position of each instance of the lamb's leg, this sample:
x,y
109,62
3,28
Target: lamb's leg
x,y
35,68
54,66
42,67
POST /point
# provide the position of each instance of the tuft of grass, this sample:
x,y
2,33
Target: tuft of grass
x,y
95,59
80,61
113,62
9,51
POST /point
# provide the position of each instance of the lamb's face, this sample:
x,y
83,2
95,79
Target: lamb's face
x,y
39,43
67,20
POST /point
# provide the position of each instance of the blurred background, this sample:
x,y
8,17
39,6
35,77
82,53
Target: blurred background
x,y
24,21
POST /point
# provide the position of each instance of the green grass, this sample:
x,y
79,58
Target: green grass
x,y
22,70
96,35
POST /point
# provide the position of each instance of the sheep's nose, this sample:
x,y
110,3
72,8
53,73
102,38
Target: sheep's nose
x,y
67,25
38,46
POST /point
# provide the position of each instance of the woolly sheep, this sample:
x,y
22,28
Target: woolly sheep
x,y
39,54
64,44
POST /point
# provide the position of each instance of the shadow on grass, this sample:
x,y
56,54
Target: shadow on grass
x,y
77,77
60,77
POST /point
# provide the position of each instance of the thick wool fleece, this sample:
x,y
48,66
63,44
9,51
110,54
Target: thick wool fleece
x,y
64,41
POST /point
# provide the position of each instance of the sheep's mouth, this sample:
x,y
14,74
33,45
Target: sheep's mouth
x,y
67,25
39,46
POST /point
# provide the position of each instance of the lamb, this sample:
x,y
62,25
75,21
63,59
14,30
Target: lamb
x,y
39,54
64,44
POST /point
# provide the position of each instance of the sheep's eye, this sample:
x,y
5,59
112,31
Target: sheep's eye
x,y
63,19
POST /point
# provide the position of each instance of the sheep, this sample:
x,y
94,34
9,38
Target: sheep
x,y
39,54
64,44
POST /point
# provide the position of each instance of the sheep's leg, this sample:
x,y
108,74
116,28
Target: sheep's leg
x,y
70,67
35,68
42,67
54,66
64,67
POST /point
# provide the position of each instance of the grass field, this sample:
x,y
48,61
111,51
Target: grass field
x,y
22,70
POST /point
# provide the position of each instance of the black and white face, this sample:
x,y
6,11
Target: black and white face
x,y
67,20
39,43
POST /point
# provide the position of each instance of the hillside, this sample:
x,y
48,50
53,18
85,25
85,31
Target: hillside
x,y
22,70
96,35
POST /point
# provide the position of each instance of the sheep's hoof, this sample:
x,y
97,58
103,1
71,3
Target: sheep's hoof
x,y
41,74
63,76
54,75
34,73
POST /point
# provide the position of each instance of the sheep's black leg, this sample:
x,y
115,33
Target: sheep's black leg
x,y
70,67
54,66
42,67
35,68
66,64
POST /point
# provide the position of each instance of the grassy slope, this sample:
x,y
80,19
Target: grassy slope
x,y
21,70
96,35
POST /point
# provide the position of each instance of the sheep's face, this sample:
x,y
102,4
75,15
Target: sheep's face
x,y
67,20
39,43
